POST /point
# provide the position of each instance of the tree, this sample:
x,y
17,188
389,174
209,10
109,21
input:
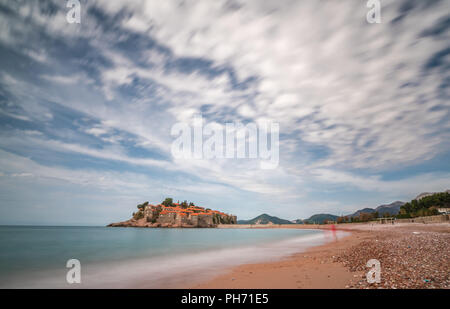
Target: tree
x,y
364,217
426,206
138,215
184,204
216,219
168,202
142,206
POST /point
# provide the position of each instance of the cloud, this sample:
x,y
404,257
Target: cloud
x,y
354,101
115,154
321,80
67,80
375,183
347,85
24,167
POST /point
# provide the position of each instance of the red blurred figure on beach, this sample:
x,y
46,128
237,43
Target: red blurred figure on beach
x,y
333,230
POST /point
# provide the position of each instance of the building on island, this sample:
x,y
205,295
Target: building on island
x,y
178,216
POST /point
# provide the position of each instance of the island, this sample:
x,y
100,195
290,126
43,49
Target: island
x,y
176,215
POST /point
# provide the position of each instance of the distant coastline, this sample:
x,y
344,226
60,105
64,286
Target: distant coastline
x,y
423,205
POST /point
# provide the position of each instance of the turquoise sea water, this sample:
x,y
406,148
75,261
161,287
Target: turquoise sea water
x,y
32,256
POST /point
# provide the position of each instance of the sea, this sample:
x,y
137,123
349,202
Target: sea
x,y
37,256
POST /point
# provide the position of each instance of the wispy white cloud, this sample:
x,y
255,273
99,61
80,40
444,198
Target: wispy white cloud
x,y
351,98
410,186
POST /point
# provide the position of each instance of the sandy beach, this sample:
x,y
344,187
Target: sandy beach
x,y
412,255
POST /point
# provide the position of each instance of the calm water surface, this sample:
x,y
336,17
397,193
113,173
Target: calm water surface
x,y
32,256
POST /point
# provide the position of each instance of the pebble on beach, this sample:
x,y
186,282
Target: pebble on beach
x,y
408,260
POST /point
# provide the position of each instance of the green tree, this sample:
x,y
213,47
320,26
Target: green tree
x,y
168,202
142,206
426,206
138,215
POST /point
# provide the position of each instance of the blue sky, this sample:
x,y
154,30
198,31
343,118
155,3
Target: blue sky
x,y
86,109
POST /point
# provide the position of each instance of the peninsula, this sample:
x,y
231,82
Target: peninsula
x,y
175,215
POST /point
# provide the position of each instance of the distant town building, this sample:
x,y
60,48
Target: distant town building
x,y
444,211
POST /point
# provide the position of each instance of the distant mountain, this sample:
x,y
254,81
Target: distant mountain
x,y
319,218
393,209
265,219
364,210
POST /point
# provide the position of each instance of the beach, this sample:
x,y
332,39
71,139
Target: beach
x,y
412,255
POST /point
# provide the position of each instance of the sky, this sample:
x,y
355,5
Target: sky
x,y
86,110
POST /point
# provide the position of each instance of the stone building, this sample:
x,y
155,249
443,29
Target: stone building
x,y
151,212
205,220
167,216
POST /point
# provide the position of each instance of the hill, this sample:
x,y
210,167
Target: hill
x,y
265,219
392,209
318,218
360,211
426,205
425,194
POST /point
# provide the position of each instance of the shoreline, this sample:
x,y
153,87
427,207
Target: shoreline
x,y
341,264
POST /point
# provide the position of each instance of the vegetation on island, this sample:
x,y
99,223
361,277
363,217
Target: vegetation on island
x,y
168,202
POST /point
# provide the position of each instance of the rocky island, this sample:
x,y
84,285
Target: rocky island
x,y
169,214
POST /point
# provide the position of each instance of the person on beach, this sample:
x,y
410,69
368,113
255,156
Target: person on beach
x,y
333,230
